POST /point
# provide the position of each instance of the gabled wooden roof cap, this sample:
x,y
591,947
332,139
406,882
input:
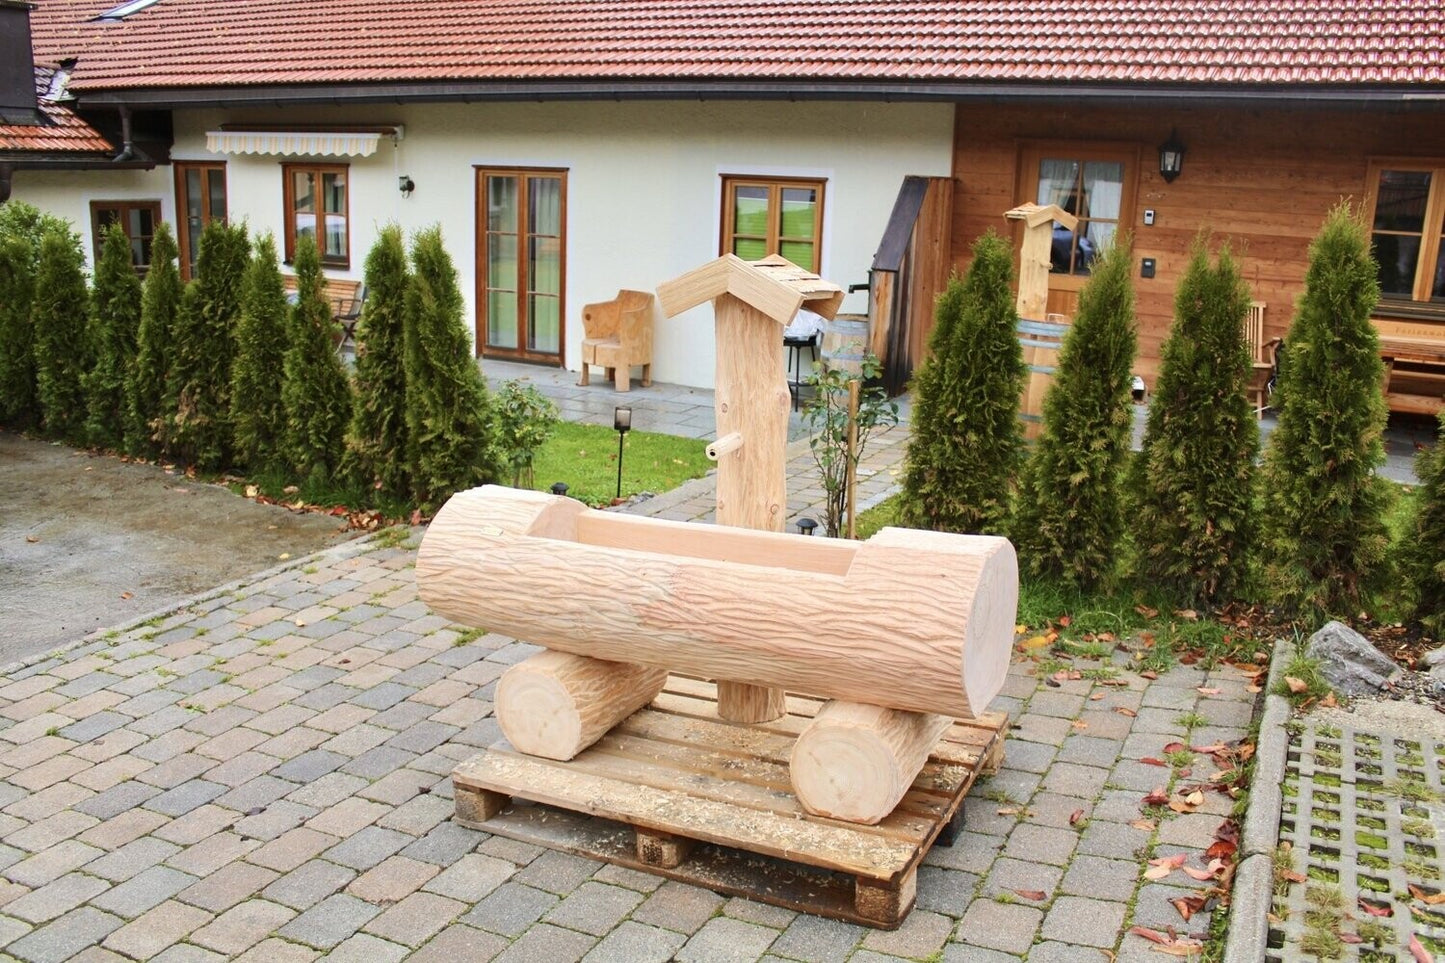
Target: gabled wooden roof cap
x,y
774,286
1035,214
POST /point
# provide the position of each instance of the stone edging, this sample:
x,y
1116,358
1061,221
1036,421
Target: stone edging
x,y
1254,876
347,549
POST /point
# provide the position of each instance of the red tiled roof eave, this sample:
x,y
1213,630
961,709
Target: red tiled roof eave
x,y
62,132
224,44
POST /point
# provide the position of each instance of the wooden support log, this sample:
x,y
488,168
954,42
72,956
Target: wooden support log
x,y
854,762
914,620
750,704
555,704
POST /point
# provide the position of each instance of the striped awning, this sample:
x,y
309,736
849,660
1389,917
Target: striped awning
x,y
324,143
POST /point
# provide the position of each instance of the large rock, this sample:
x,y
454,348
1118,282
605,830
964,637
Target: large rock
x,y
1348,661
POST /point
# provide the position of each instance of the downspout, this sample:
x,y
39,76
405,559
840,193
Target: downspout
x,y
127,151
6,172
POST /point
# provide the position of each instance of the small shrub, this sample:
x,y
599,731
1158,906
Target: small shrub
x,y
525,420
450,428
1324,520
145,385
1422,555
258,418
198,379
1071,515
115,318
62,338
1193,479
965,441
314,391
826,414
376,440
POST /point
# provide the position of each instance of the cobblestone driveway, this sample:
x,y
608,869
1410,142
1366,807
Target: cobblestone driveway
x,y
264,776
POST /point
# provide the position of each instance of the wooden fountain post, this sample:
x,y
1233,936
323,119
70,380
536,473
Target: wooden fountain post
x,y
752,302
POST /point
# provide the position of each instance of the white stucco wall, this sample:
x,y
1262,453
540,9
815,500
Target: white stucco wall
x,y
643,185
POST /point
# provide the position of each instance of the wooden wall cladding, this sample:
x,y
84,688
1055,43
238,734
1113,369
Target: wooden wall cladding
x,y
1262,178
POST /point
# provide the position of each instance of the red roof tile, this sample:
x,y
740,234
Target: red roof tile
x,y
63,132
227,43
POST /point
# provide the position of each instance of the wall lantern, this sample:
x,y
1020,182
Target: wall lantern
x,y
406,185
1171,157
622,424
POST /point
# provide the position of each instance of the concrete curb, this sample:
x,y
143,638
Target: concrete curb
x,y
335,553
1254,876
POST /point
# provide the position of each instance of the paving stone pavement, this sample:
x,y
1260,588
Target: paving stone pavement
x,y
263,775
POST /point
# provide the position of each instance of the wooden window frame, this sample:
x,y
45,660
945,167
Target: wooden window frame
x,y
1031,153
183,225
97,235
1420,301
775,187
288,194
480,173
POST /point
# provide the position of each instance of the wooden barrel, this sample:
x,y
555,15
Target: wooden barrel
x,y
845,342
1041,341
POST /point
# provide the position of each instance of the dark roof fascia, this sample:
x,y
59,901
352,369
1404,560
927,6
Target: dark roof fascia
x,y
34,161
286,95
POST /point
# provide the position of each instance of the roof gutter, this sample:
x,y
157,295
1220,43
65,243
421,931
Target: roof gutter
x,y
285,95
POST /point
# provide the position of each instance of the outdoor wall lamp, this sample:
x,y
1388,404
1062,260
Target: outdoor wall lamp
x,y
1171,157
406,185
622,424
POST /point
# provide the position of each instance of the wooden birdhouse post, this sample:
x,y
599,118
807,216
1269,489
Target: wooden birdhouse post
x,y
752,303
1040,335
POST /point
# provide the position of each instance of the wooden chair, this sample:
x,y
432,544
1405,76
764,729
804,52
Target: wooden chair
x,y
617,335
1262,354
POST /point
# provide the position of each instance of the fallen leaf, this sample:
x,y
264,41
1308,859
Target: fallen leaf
x,y
1075,816
1205,690
1065,621
1188,615
1151,761
1173,747
1149,674
1096,697
1146,611
284,556
1221,849
1350,938
32,539
1431,899
1196,798
1374,908
290,490
1421,954
1181,805
252,491
1037,642
1188,905
127,595
1037,895
1296,685
1211,749
1079,724
1329,701
416,516
1294,877
1199,874
1147,825
1157,798
1125,711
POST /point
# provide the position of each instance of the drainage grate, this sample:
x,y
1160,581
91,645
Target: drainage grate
x,y
1365,814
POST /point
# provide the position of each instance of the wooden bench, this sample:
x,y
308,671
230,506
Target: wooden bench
x,y
346,298
1414,356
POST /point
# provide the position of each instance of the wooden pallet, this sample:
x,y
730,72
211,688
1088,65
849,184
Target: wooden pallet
x,y
674,791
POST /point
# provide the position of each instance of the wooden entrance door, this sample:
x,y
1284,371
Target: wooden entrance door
x,y
521,263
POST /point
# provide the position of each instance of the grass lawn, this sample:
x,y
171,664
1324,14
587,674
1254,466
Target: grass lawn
x,y
585,457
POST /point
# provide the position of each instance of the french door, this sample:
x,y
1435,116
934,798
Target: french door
x,y
521,263
200,199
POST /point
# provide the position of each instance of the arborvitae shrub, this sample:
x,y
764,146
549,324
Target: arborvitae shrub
x,y
258,418
115,303
1423,552
62,338
314,393
1193,478
448,417
376,439
965,442
198,382
145,384
1324,523
1071,501
19,406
